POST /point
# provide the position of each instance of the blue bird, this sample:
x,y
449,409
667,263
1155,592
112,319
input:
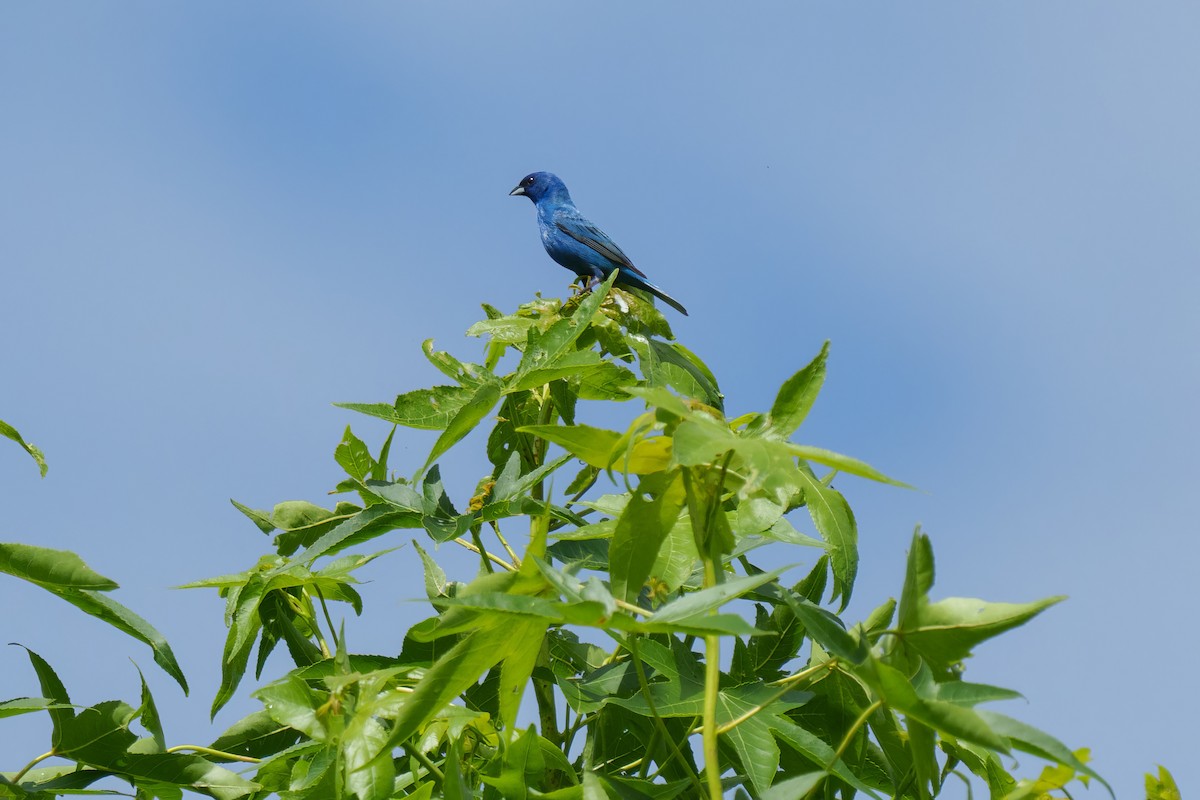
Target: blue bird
x,y
576,243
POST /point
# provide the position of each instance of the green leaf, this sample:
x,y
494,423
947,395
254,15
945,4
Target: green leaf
x,y
759,710
435,577
107,610
896,690
10,432
426,409
63,574
671,364
62,712
148,714
697,625
593,445
98,735
570,364
640,532
353,455
242,615
256,736
816,751
970,695
290,701
51,569
546,350
180,769
943,633
468,375
1162,787
918,580
1029,739
367,777
948,629
373,521
599,448
455,671
799,786
796,396
262,519
480,404
701,440
824,628
509,330
517,667
851,466
608,381
834,520
706,600
523,767
64,779
454,786
25,705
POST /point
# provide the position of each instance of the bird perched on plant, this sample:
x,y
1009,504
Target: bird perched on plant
x,y
575,242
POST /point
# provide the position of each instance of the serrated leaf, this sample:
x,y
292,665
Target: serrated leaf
x,y
425,409
1029,739
192,771
842,463
796,396
9,432
640,532
256,736
896,690
478,406
598,447
98,735
290,701
834,520
353,455
947,630
671,364
467,375
706,600
52,687
460,667
105,609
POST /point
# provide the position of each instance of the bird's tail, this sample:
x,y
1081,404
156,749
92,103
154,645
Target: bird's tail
x,y
666,298
638,282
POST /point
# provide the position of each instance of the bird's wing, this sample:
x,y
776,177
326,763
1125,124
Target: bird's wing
x,y
584,232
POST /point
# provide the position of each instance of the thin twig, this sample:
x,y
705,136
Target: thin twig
x,y
493,558
208,751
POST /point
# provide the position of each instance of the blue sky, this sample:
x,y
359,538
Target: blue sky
x,y
217,220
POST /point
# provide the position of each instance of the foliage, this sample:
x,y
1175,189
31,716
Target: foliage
x,y
9,432
640,577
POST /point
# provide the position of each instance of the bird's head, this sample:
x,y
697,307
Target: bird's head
x,y
538,186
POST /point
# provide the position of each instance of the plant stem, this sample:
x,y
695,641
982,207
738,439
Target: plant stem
x,y
846,740
493,558
858,723
543,692
485,564
17,778
208,751
424,761
504,543
712,678
328,619
660,726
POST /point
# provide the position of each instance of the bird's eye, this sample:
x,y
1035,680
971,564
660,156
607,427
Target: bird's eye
x,y
529,181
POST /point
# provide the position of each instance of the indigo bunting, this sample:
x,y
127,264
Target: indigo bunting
x,y
576,243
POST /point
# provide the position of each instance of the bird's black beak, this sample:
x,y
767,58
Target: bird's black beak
x,y
517,191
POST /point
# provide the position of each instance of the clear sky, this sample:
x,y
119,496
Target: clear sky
x,y
217,219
